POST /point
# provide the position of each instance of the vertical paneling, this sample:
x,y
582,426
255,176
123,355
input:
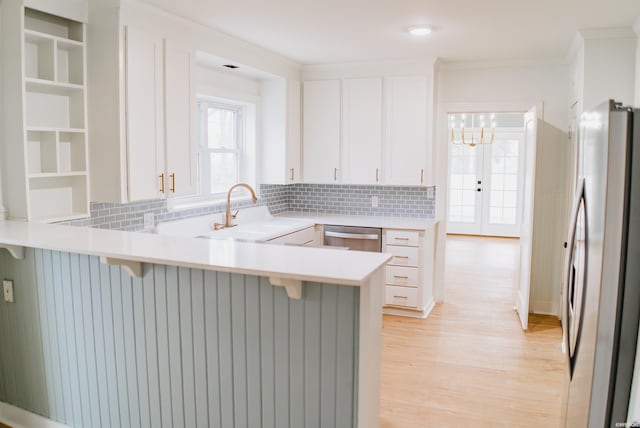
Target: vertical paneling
x,y
199,348
162,334
107,401
92,347
186,345
267,353
252,307
212,344
312,349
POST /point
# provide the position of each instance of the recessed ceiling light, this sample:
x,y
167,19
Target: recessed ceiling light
x,y
419,30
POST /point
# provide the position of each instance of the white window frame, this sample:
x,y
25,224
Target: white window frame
x,y
204,152
248,167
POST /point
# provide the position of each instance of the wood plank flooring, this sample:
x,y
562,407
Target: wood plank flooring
x,y
469,363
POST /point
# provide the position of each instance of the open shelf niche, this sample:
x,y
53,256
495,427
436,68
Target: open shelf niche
x,y
54,77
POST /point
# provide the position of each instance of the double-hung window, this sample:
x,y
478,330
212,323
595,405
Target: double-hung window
x,y
221,147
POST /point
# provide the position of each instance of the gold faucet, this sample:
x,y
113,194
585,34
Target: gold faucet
x,y
227,215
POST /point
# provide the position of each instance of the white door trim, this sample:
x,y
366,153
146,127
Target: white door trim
x,y
441,155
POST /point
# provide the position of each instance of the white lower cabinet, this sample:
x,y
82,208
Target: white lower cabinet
x,y
301,237
408,275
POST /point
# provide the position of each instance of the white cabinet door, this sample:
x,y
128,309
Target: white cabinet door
x,y
407,130
179,117
145,157
362,131
293,119
321,131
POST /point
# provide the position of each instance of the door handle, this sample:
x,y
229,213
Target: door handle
x,y
161,176
173,183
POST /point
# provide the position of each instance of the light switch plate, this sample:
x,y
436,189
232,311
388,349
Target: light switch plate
x,y
7,288
431,192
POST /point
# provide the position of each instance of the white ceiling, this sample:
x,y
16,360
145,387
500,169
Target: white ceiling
x,y
327,31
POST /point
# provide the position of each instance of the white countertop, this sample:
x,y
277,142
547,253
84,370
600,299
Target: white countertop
x,y
226,255
364,221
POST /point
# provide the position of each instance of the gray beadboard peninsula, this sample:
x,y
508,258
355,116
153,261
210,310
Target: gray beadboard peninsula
x,y
112,328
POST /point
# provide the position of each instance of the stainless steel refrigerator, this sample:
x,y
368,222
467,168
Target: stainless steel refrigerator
x,y
601,299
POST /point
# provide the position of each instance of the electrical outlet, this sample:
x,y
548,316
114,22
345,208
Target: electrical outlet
x,y
431,192
374,202
7,287
149,221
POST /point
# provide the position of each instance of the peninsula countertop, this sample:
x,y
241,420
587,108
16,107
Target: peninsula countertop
x,y
408,223
226,255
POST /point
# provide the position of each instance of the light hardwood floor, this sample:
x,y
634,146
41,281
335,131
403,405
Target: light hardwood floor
x,y
469,364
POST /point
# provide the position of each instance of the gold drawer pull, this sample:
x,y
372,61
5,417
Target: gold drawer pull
x,y
401,239
161,176
401,297
173,183
292,174
401,257
400,277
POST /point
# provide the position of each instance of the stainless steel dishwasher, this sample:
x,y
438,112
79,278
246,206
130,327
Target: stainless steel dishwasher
x,y
354,238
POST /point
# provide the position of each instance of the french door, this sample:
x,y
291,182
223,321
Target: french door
x,y
485,186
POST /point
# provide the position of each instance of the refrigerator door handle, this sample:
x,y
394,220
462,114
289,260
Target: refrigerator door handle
x,y
568,267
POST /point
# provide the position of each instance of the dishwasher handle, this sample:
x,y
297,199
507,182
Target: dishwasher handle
x,y
368,236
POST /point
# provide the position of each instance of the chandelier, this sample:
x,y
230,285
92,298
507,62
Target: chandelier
x,y
483,137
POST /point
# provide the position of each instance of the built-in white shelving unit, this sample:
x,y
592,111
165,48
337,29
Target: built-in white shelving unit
x,y
54,121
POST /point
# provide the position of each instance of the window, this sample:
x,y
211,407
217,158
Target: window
x,y
221,147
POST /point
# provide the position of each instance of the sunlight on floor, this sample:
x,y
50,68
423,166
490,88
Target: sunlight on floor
x,y
469,363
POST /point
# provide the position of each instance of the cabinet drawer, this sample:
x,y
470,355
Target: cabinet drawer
x,y
404,276
301,237
406,238
403,256
401,296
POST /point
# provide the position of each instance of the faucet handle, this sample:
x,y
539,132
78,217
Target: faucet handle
x,y
217,226
235,214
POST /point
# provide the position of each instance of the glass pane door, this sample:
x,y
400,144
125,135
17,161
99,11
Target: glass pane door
x,y
502,169
485,174
465,164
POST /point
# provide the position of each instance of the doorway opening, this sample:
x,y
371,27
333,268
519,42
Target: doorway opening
x,y
486,173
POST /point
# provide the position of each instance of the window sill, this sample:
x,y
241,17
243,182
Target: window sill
x,y
183,204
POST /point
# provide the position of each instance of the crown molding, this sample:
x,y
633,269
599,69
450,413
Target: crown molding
x,y
608,33
467,65
368,68
576,45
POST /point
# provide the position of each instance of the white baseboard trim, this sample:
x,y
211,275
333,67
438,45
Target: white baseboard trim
x,y
544,307
387,310
19,418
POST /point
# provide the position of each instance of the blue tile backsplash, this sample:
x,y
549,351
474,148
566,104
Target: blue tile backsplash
x,y
394,201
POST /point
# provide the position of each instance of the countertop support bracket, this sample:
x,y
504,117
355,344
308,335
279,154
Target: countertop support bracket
x,y
292,286
133,268
16,251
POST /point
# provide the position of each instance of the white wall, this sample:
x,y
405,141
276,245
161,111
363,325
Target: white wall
x,y
219,83
637,30
208,40
486,87
609,66
527,84
3,212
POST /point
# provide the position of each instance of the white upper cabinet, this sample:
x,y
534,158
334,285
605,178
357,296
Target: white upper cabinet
x,y
293,147
362,131
407,133
280,131
144,128
321,131
180,120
